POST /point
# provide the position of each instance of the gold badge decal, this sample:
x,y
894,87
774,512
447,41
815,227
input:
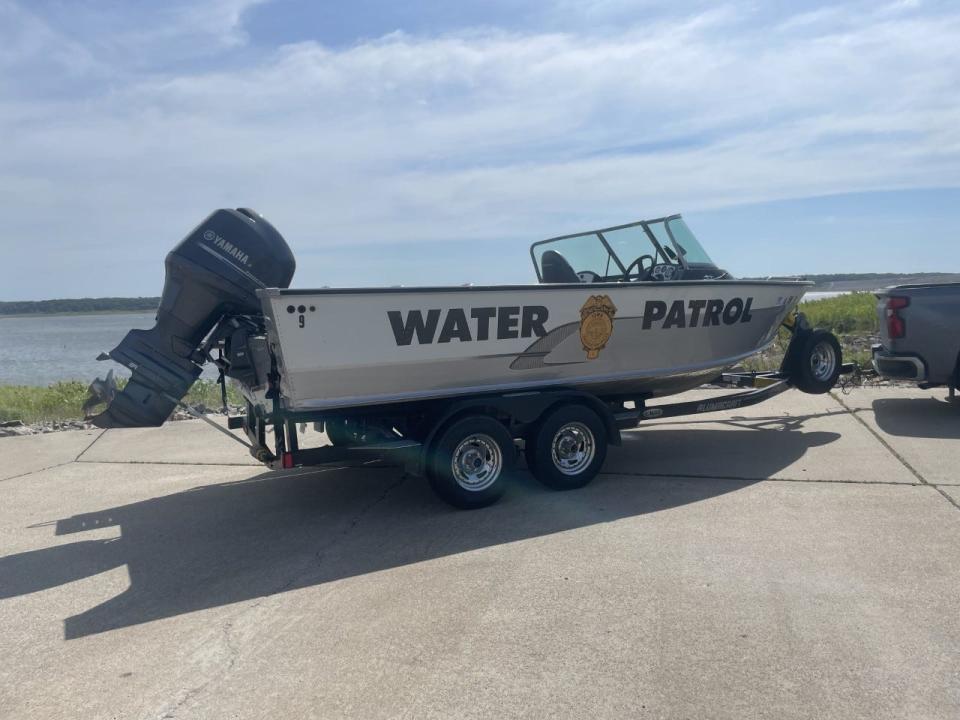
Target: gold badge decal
x,y
596,324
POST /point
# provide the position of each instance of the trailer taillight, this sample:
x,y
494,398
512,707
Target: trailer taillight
x,y
896,325
287,460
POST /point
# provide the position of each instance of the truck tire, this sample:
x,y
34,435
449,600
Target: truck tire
x,y
568,447
817,363
471,462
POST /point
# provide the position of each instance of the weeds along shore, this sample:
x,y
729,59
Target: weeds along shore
x,y
26,409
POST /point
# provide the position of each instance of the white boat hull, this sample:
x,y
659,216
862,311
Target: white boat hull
x,y
345,348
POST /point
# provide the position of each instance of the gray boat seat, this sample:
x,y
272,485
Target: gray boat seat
x,y
556,269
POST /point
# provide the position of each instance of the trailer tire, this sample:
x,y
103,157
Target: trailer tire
x,y
567,448
471,462
817,363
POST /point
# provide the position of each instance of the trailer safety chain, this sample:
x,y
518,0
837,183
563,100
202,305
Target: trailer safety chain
x,y
860,377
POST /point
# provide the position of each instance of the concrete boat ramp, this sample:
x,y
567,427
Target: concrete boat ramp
x,y
797,559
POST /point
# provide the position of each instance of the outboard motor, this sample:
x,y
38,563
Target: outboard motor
x,y
214,271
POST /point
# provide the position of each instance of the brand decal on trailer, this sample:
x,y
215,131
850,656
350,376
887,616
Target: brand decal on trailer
x,y
713,405
468,324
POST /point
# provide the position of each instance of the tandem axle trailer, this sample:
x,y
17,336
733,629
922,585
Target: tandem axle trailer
x,y
468,446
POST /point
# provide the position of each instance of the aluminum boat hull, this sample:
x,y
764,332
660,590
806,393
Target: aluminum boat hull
x,y
338,348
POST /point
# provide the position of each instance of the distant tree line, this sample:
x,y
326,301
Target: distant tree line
x,y
845,277
873,280
79,305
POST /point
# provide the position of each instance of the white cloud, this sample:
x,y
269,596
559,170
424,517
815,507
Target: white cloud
x,y
481,134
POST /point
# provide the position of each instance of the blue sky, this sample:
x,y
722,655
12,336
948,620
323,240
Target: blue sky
x,y
431,142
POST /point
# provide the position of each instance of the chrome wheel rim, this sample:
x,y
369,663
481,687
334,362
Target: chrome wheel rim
x,y
477,462
823,361
573,448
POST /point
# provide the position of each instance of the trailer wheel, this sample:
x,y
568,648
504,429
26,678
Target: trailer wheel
x,y
817,364
568,448
471,462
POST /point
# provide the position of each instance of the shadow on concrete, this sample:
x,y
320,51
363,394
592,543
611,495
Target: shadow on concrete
x,y
918,417
231,542
753,454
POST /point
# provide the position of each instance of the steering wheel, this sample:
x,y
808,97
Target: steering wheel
x,y
639,263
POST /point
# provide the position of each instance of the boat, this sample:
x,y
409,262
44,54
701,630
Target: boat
x,y
619,315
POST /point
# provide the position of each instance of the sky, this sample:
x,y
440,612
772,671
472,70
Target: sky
x,y
430,142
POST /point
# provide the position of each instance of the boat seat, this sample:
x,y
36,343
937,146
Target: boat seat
x,y
556,269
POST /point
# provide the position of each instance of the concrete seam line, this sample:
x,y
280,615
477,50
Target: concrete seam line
x,y
316,560
56,465
38,470
305,468
163,462
99,435
897,455
740,478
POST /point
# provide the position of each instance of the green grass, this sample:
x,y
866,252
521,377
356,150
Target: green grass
x,y
844,314
852,318
63,400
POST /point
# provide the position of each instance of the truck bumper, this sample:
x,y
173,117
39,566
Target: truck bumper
x,y
898,366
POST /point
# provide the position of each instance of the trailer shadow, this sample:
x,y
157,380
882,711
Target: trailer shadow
x,y
233,542
928,417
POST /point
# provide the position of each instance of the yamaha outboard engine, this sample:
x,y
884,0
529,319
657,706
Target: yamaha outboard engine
x,y
215,271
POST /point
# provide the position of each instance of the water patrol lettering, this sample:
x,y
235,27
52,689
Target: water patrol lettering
x,y
696,313
465,325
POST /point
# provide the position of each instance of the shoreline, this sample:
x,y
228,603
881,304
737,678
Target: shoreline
x,y
17,428
74,313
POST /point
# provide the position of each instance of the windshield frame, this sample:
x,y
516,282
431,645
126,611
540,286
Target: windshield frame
x,y
645,224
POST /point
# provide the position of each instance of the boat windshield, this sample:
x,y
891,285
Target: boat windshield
x,y
624,252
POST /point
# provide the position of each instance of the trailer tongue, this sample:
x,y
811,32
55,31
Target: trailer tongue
x,y
212,273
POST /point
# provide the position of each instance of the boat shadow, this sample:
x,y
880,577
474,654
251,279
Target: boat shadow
x,y
927,417
231,542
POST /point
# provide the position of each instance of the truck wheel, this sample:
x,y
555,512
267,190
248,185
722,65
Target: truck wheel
x,y
817,363
471,462
568,448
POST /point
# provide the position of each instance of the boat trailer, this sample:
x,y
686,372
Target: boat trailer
x,y
567,426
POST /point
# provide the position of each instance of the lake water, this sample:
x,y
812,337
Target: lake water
x,y
47,348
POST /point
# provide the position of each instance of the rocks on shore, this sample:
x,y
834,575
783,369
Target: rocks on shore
x,y
16,427
13,428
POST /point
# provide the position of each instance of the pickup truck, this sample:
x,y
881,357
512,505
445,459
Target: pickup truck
x,y
919,334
